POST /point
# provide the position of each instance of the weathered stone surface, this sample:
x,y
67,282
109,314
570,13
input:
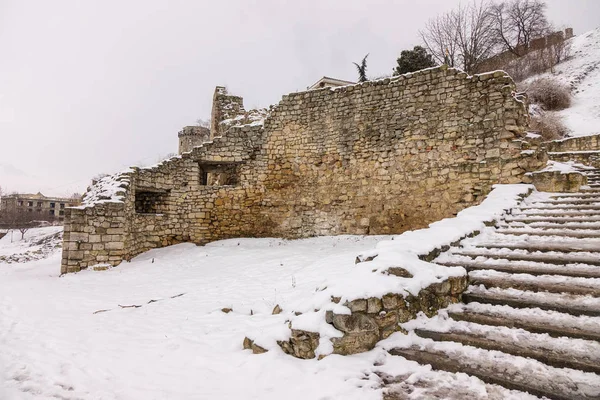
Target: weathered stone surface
x,y
302,344
374,305
361,333
400,272
276,310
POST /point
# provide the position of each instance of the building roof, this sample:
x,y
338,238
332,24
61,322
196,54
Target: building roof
x,y
330,81
39,196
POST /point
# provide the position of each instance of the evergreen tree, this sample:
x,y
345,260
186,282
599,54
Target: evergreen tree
x,y
413,60
362,69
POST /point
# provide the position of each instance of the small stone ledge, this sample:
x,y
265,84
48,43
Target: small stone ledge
x,y
556,181
373,319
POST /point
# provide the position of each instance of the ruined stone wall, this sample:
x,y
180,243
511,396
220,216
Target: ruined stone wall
x,y
379,157
192,136
389,155
499,61
225,106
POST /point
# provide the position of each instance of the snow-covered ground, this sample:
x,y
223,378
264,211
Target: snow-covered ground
x,y
582,73
155,328
75,337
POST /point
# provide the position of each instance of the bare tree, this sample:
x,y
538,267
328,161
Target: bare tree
x,y
517,22
21,220
203,122
441,39
463,37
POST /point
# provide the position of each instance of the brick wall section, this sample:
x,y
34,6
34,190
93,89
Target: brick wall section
x,y
379,157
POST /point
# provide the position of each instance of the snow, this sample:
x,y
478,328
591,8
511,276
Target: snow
x,y
564,347
589,303
534,316
576,384
109,189
76,337
563,167
582,73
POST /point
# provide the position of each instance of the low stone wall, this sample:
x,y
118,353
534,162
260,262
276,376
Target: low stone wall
x,y
379,157
558,182
581,143
372,320
586,157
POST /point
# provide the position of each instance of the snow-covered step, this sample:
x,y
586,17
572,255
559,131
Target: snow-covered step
x,y
539,283
512,372
535,320
566,219
561,302
574,201
551,225
563,352
521,267
575,196
553,213
567,246
556,207
523,255
570,233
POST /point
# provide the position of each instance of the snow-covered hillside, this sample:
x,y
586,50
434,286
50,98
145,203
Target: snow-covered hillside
x,y
582,73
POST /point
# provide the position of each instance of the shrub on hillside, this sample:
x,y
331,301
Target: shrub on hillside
x,y
548,125
549,93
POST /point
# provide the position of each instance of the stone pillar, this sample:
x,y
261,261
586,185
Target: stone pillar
x,y
225,106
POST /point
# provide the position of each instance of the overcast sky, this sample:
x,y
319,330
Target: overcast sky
x,y
94,86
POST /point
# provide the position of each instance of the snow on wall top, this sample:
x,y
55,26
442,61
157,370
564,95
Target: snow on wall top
x,y
109,189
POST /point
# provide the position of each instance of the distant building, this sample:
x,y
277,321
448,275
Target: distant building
x,y
49,207
329,82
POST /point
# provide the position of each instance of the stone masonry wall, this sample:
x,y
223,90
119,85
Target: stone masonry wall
x,y
379,157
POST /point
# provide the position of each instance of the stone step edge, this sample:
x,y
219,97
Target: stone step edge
x,y
554,331
439,360
531,270
543,355
539,286
593,234
543,258
515,303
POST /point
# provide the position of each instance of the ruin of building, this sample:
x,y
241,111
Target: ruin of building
x,y
379,157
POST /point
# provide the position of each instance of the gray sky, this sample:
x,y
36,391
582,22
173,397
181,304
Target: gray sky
x,y
94,86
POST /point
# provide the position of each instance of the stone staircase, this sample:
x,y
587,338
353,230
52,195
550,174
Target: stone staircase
x,y
531,316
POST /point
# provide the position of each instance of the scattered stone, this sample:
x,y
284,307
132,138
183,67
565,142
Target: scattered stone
x,y
277,310
227,310
400,272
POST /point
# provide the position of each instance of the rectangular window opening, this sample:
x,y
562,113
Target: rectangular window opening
x,y
151,202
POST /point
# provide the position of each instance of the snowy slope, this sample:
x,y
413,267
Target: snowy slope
x,y
582,73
